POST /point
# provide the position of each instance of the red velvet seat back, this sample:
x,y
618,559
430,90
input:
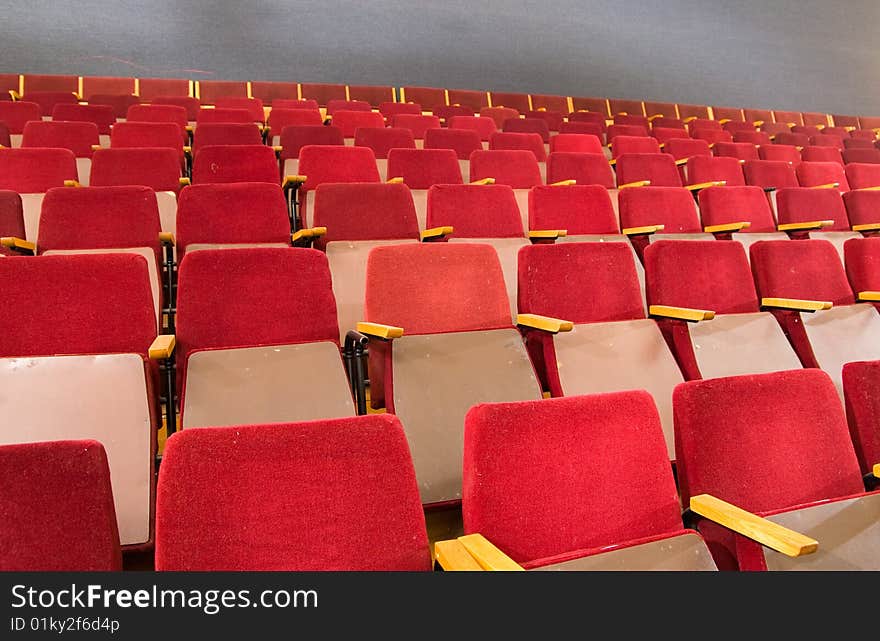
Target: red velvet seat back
x,y
660,169
807,269
235,163
421,168
723,205
672,207
154,167
579,209
32,171
364,211
78,137
516,168
337,164
475,211
801,204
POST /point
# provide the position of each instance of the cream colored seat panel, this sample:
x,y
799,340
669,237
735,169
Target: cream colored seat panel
x,y
382,166
420,143
194,247
31,205
613,238
275,384
465,167
747,240
420,201
686,552
348,142
735,344
613,194
522,201
291,167
607,151
307,208
437,379
485,144
848,532
83,170
507,250
104,140
613,357
145,252
15,140
100,397
167,202
542,167
773,204
276,141
842,335
653,238
348,268
836,238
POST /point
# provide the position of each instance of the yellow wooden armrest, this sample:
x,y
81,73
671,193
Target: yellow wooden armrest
x,y
487,555
278,148
189,128
162,347
717,229
711,183
294,180
764,531
548,233
96,147
850,128
612,161
689,119
436,232
796,304
564,183
642,231
166,238
71,183
874,188
308,233
15,95
638,183
483,181
379,330
723,120
541,109
758,123
805,226
397,180
184,181
869,296
544,323
187,150
654,117
876,470
681,161
454,557
18,243
681,313
867,227
826,186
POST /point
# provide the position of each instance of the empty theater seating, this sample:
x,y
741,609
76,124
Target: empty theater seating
x,y
817,213
382,140
15,114
78,137
422,168
235,163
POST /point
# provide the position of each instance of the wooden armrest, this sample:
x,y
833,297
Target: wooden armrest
x,y
454,557
765,532
867,227
187,150
711,183
162,347
805,226
397,180
796,304
96,147
688,119
642,231
378,330
826,186
544,323
681,161
681,313
654,117
638,183
757,123
184,181
278,148
876,470
726,227
188,128
71,183
483,181
564,183
436,233
308,233
166,238
548,233
869,296
487,555
723,120
294,180
612,161
19,244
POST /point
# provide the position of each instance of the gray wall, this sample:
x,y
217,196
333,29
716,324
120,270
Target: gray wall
x,y
785,54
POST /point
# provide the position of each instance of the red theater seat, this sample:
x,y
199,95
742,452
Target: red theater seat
x,y
208,91
374,95
235,163
270,92
149,88
102,116
192,105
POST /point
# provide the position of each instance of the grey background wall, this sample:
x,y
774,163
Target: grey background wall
x,y
787,54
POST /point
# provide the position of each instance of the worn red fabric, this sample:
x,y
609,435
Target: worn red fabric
x,y
667,122
323,93
363,211
663,109
383,139
855,155
462,141
729,113
334,106
157,168
810,174
320,495
295,137
149,88
620,106
580,209
391,109
734,126
11,216
210,91
860,135
31,171
241,212
337,164
132,135
481,124
861,381
158,113
773,128
270,91
665,134
499,114
418,124
738,150
550,102
722,205
660,169
528,126
793,117
863,175
826,140
78,137
576,127
793,139
281,118
192,105
680,148
611,482
554,119
57,508
371,94
446,112
812,153
64,314
801,204
225,115
693,111
770,173
426,96
16,114
471,98
579,143
672,207
703,123
254,106
752,137
631,119
472,296
235,163
48,99
102,116
599,105
625,130
518,101
813,119
106,85
596,117
295,103
225,133
807,269
5,140
349,121
711,136
586,169
862,258
516,168
475,211
530,142
634,145
421,168
786,153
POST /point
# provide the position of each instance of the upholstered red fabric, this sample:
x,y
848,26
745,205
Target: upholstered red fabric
x,y
234,163
446,112
863,207
291,103
78,137
810,174
786,153
31,171
672,207
158,113
792,138
764,442
383,139
323,93
499,114
660,169
862,258
551,102
473,99
64,314
528,125
321,495
631,119
868,122
363,211
242,212
157,168
738,150
826,140
728,113
149,88
667,122
418,124
192,105
106,85
48,99
793,117
281,118
812,153
840,132
700,274
225,115
462,141
57,507
589,128
11,216
391,109
421,168
580,143
475,211
482,125
586,169
530,142
751,137
611,482
334,106
734,126
16,114
723,205
295,137
808,269
773,128
770,173
371,94
664,134
129,135
596,117
350,121
432,288
693,111
625,130
662,109
554,119
210,91
119,104
518,101
703,169
625,106
711,136
5,140
599,105
102,116
254,106
863,175
580,282
797,205
515,168
226,133
680,148
702,123
814,119
270,92
855,155
426,96
861,380
634,145
337,164
580,209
